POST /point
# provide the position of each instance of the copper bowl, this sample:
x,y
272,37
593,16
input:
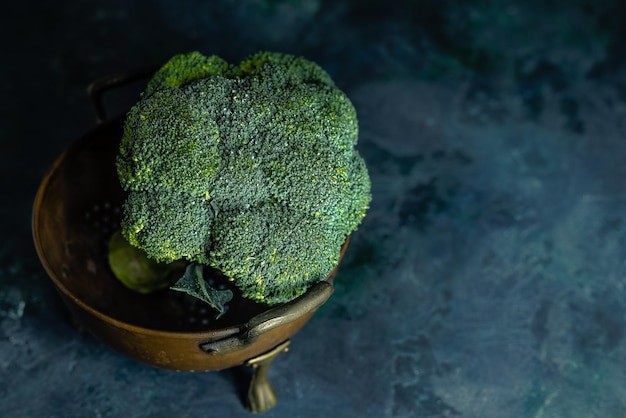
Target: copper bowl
x,y
76,210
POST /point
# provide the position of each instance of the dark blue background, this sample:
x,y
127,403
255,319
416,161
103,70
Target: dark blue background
x,y
487,279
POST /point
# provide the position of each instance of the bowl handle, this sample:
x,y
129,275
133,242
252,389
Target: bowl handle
x,y
97,88
315,297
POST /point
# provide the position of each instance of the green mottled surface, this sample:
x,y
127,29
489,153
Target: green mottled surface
x,y
249,169
487,279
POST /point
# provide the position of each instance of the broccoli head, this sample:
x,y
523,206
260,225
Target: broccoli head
x,y
250,169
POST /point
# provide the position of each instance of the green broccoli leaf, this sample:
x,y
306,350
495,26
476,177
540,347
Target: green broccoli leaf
x,y
193,284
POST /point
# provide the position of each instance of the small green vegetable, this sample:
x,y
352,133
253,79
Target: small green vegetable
x,y
138,272
249,169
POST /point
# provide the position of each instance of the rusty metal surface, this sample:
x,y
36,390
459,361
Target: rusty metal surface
x,y
77,207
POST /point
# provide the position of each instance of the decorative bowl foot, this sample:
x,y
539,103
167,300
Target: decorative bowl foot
x,y
261,395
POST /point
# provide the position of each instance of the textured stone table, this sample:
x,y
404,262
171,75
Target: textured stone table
x,y
487,279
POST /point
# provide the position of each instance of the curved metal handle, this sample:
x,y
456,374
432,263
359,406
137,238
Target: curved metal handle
x,y
272,318
97,88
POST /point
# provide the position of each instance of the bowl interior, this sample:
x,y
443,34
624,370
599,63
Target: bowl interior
x,y
77,209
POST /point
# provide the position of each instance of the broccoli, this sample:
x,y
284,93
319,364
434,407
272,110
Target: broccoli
x,y
249,169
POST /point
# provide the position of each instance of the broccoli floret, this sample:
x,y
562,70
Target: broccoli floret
x,y
250,169
184,68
